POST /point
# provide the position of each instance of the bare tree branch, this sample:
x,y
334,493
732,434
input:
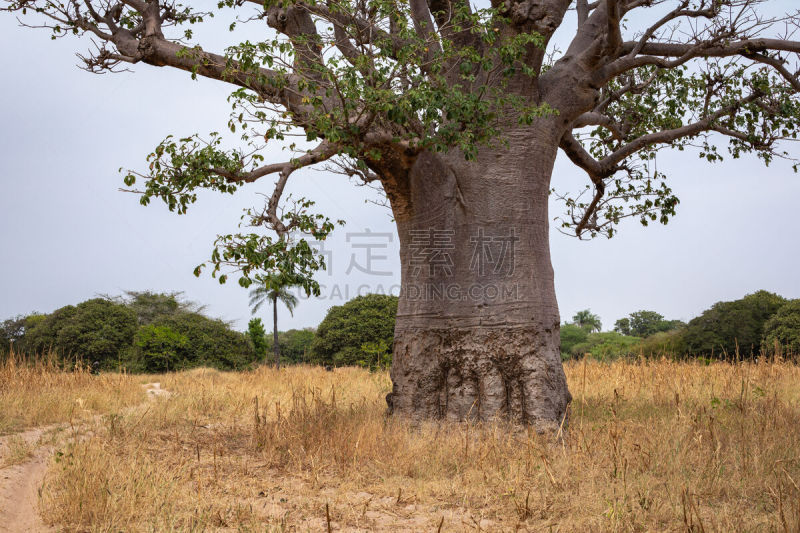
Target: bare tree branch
x,y
659,54
580,157
594,118
322,152
582,7
671,135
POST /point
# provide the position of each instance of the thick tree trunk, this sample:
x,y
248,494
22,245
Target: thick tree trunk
x,y
477,333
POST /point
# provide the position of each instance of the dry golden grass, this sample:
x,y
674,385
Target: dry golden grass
x,y
652,446
39,394
18,450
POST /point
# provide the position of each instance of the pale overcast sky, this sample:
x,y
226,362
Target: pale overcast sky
x,y
69,234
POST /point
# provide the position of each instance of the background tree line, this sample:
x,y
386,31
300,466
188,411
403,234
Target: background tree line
x,y
156,332
761,322
140,332
151,332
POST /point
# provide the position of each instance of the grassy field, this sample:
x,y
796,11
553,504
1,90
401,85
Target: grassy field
x,y
41,394
651,446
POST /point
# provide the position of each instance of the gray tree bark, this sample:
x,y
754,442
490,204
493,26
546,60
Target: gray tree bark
x,y
477,332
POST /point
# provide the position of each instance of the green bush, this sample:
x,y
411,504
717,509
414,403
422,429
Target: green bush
x,y
296,345
95,330
175,335
571,336
607,345
663,344
258,337
211,342
161,349
782,330
377,354
733,327
346,329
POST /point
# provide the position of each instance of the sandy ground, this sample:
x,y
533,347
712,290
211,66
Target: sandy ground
x,y
20,483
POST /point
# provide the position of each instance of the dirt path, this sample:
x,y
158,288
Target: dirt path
x,y
20,483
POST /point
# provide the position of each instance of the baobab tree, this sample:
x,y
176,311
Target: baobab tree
x,y
458,111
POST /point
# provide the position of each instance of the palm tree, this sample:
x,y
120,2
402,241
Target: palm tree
x,y
271,289
587,320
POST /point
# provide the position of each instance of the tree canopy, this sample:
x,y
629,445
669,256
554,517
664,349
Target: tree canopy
x,y
350,333
731,328
149,305
587,320
782,330
94,330
645,323
203,341
378,82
